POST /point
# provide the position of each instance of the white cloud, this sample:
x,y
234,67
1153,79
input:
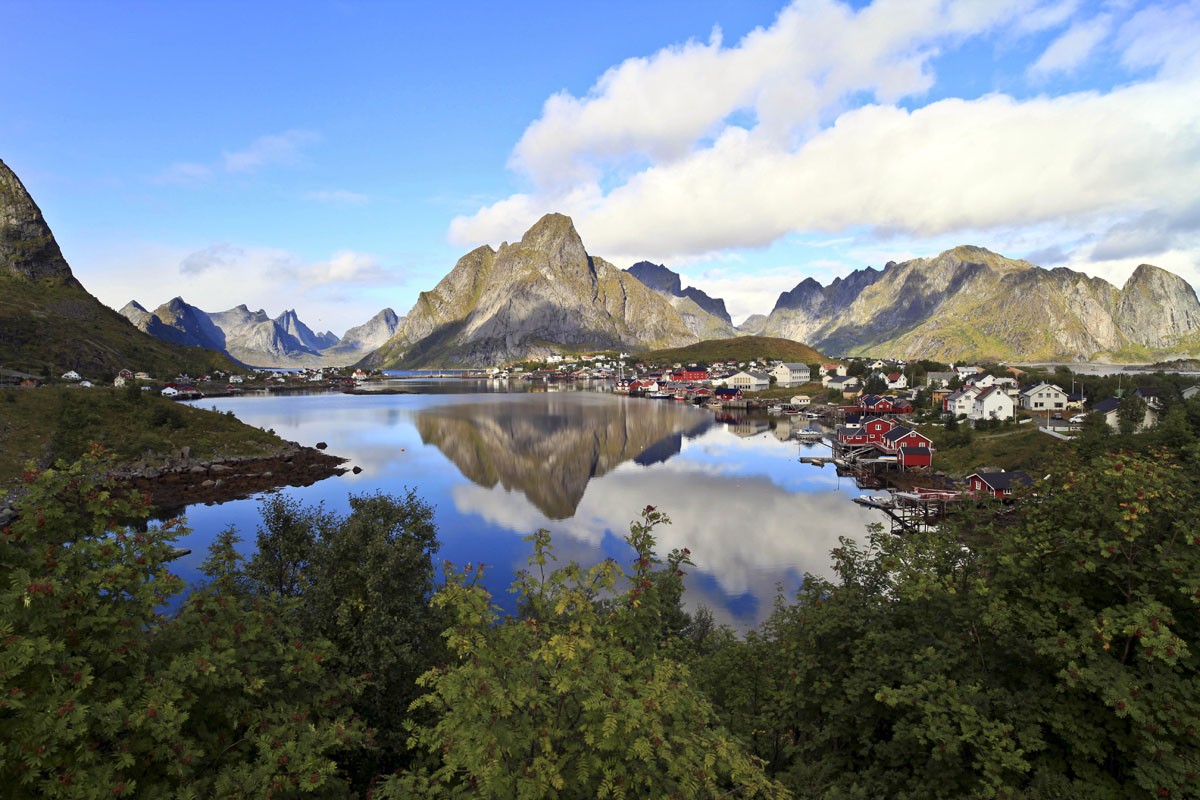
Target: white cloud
x,y
184,173
348,267
1069,51
703,148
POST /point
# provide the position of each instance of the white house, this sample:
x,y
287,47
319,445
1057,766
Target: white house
x,y
992,403
965,372
1044,397
790,374
748,381
119,381
71,376
170,391
897,381
832,369
1109,408
801,400
980,380
236,379
936,379
961,402
554,359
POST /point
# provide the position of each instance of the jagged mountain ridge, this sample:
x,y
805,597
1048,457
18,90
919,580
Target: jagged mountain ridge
x,y
50,323
705,316
533,298
251,337
969,302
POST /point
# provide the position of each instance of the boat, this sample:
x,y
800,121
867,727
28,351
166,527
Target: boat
x,y
809,433
659,395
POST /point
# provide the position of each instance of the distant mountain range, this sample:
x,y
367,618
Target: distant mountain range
x,y
547,294
970,303
49,323
255,339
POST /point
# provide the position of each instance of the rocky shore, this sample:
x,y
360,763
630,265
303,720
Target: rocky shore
x,y
180,479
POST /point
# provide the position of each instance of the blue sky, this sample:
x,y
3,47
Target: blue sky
x,y
339,157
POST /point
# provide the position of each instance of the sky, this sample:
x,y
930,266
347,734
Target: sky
x,y
339,157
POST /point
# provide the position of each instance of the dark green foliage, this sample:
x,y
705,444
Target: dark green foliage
x,y
102,696
1131,413
363,582
875,384
574,700
1052,656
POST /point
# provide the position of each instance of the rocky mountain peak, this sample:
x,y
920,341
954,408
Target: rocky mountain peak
x,y
657,277
555,236
27,246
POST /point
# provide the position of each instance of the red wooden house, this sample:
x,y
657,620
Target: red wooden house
x,y
902,436
690,375
998,484
915,457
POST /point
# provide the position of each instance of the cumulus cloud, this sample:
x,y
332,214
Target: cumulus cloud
x,y
705,147
346,268
1070,50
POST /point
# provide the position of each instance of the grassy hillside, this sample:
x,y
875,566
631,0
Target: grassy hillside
x,y
1017,447
50,423
739,348
50,325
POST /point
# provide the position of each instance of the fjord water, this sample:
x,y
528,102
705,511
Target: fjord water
x,y
497,465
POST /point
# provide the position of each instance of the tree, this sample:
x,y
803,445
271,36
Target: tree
x,y
1131,414
363,582
102,695
1046,651
875,384
575,699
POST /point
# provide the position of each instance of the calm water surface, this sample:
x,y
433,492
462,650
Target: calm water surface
x,y
498,465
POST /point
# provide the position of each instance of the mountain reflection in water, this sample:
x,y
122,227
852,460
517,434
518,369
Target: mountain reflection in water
x,y
496,467
550,445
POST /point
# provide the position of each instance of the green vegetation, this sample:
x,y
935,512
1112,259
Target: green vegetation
x,y
59,423
1036,650
50,325
740,348
962,451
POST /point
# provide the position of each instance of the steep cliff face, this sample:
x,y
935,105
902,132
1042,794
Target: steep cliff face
x,y
28,249
669,284
533,298
290,323
1157,309
50,323
969,302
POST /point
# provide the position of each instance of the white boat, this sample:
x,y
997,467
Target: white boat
x,y
659,395
809,433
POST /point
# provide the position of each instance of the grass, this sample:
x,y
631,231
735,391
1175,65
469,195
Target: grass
x,y
813,389
1008,448
738,348
48,326
46,424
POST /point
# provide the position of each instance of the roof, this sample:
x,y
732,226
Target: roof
x,y
899,432
794,365
915,451
990,390
1003,480
759,375
1147,391
1106,406
1043,387
895,376
840,379
727,390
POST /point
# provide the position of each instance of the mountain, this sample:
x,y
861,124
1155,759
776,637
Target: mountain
x,y
971,303
253,337
373,333
49,322
303,334
753,325
705,316
533,298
